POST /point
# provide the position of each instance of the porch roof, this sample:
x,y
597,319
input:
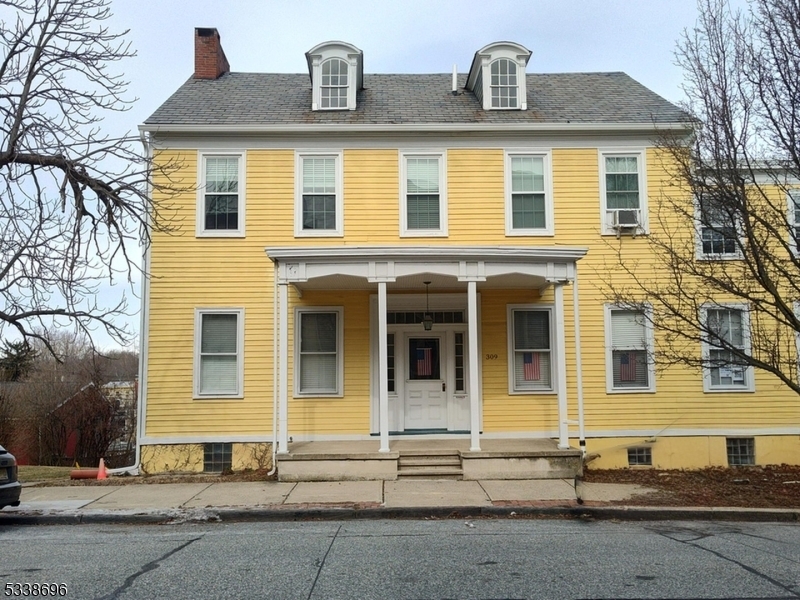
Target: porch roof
x,y
405,267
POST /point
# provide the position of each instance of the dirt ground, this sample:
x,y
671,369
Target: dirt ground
x,y
775,486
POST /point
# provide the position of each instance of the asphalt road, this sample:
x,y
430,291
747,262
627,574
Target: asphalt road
x,y
407,559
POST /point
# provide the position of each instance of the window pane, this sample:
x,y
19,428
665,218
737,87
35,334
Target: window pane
x,y
531,330
423,211
318,332
318,373
218,374
319,212
527,211
726,324
532,370
630,368
218,334
423,358
422,175
222,174
222,212
628,329
527,174
319,175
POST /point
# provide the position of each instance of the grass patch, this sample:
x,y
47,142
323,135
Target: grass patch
x,y
36,473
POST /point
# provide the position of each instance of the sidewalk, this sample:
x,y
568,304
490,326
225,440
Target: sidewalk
x,y
272,500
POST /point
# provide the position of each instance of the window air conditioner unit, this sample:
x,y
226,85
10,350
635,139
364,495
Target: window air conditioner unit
x,y
626,220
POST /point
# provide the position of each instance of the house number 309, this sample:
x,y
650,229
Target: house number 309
x,y
491,357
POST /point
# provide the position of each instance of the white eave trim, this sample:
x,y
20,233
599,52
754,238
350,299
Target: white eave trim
x,y
424,254
414,127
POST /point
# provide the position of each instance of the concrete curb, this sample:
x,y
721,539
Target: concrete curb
x,y
347,513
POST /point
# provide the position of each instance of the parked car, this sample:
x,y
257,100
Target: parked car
x,y
10,487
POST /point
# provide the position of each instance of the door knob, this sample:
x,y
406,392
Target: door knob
x,y
444,386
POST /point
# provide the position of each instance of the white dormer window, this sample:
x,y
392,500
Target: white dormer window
x,y
504,86
337,73
497,76
333,88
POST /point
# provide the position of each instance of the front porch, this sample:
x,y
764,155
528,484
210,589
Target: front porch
x,y
357,460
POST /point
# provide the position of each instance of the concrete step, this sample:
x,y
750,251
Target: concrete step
x,y
429,461
430,474
429,452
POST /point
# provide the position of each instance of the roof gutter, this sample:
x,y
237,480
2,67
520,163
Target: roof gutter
x,y
252,128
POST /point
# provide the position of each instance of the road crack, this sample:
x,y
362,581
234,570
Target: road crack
x,y
154,564
321,564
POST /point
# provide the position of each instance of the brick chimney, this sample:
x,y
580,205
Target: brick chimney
x,y
209,57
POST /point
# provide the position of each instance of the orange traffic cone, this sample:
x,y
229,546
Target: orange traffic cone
x,y
101,471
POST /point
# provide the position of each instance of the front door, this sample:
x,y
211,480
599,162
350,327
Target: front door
x,y
425,392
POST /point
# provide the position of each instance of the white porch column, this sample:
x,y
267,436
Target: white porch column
x,y
561,362
474,390
283,370
383,363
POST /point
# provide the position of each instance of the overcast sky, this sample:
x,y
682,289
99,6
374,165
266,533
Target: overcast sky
x,y
400,36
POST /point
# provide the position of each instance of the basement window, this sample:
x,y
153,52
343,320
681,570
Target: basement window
x,y
741,451
217,457
640,457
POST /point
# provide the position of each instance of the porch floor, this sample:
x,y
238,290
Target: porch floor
x,y
355,447
512,458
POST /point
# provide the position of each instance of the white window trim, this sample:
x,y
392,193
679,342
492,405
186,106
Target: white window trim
x,y
649,348
698,233
796,308
793,214
200,208
198,332
443,217
338,393
554,366
606,227
298,195
706,348
549,230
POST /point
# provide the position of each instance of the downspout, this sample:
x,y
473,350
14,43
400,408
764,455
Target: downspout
x,y
141,391
274,370
578,362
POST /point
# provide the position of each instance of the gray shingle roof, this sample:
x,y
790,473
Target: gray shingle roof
x,y
285,99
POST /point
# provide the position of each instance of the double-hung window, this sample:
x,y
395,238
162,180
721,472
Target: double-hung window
x,y
623,191
530,349
219,353
333,87
529,206
793,198
220,206
319,205
503,85
318,352
423,202
718,234
727,332
629,348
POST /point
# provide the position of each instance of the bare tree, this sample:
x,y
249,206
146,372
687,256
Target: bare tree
x,y
726,230
75,200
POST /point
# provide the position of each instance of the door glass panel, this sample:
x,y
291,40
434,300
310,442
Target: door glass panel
x,y
459,351
423,359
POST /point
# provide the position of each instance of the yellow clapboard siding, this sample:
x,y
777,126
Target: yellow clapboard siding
x,y
192,272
